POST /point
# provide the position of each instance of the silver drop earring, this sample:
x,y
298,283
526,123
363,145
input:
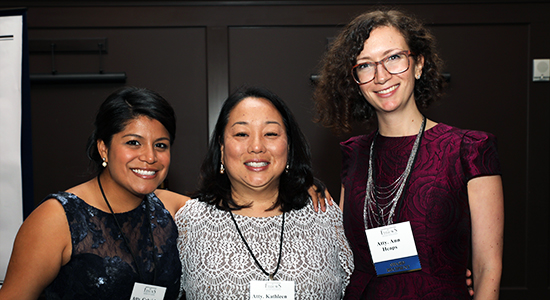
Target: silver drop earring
x,y
286,169
222,169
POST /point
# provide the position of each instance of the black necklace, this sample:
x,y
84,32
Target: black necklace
x,y
148,217
272,275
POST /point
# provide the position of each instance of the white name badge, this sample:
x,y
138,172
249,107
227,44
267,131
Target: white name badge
x,y
147,292
272,290
393,249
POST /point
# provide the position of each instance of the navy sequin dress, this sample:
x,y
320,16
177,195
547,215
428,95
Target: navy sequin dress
x,y
101,267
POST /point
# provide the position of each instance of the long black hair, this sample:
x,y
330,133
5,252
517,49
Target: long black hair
x,y
215,188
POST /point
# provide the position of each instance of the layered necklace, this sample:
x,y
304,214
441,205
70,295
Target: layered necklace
x,y
381,201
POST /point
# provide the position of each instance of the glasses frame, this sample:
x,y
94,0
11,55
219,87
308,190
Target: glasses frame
x,y
407,53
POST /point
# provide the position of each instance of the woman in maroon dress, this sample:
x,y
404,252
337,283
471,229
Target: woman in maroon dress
x,y
443,180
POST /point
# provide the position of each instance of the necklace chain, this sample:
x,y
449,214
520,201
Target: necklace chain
x,y
272,275
374,212
127,242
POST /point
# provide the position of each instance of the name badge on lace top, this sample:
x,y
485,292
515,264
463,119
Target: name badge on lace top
x,y
393,249
147,292
272,289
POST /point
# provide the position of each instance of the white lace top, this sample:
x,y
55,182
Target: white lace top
x,y
217,265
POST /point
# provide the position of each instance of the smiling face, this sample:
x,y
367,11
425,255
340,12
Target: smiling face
x,y
255,146
138,157
387,92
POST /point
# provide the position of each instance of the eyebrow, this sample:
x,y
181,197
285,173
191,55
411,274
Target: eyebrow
x,y
141,137
385,54
246,123
132,135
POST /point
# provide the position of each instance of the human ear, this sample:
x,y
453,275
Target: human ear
x,y
102,149
419,64
221,153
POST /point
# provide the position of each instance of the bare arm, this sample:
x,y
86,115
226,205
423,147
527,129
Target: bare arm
x,y
487,212
342,191
41,247
172,201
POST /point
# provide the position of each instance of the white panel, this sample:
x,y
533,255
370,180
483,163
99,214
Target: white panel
x,y
11,191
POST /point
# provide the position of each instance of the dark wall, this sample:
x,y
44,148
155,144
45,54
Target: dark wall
x,y
195,54
168,60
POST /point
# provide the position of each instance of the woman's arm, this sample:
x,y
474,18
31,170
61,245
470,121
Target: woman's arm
x,y
172,201
342,191
487,213
41,247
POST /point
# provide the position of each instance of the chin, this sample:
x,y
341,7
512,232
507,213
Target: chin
x,y
146,190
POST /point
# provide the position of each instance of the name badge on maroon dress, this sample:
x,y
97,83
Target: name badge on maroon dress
x,y
393,249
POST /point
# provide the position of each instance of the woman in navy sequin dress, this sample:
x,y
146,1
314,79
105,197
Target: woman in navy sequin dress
x,y
383,67
98,239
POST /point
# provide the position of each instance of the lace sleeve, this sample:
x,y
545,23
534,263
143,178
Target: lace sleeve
x,y
345,254
181,224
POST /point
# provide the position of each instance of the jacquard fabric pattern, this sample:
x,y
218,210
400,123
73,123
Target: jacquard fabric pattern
x,y
101,267
435,202
217,265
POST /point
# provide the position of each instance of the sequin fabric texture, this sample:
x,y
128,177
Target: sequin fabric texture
x,y
217,265
101,267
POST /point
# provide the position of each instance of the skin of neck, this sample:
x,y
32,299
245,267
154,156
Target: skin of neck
x,y
259,201
400,123
120,199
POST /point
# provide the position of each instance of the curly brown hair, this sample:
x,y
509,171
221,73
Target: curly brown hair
x,y
338,99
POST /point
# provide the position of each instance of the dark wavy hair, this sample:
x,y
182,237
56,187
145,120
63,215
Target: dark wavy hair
x,y
338,99
122,106
215,188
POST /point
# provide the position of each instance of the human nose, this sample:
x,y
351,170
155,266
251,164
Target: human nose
x,y
381,75
256,145
148,155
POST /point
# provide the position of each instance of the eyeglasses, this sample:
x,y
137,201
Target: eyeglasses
x,y
395,64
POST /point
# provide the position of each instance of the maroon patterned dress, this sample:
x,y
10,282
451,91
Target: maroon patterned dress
x,y
435,203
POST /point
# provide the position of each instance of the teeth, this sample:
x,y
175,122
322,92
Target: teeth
x,y
387,90
256,164
144,172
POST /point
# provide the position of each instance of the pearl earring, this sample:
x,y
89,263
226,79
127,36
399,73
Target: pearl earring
x,y
222,169
104,163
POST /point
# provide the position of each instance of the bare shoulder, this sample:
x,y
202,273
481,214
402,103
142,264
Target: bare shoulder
x,y
171,200
50,210
41,247
49,222
84,190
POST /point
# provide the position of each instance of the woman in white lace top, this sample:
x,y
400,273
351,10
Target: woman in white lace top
x,y
250,233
